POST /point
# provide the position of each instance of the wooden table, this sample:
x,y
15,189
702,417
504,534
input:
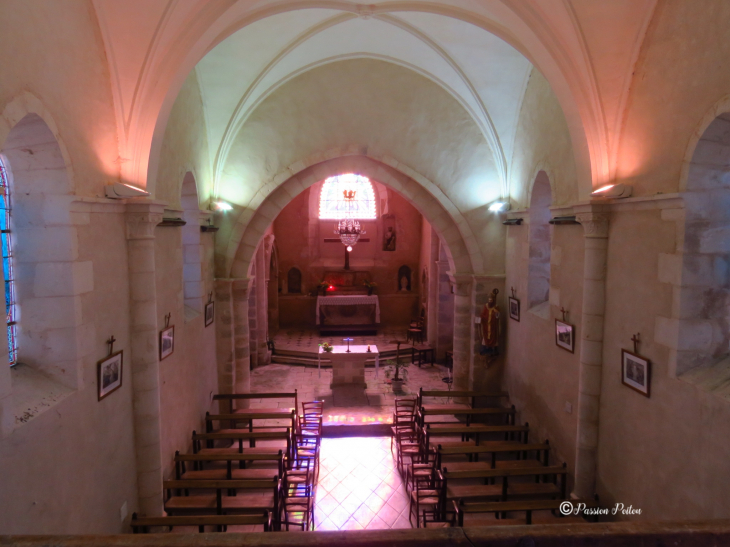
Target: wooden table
x,y
348,369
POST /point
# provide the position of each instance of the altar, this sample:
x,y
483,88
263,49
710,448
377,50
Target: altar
x,y
348,369
347,312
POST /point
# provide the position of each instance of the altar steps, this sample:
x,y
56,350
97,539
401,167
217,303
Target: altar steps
x,y
285,356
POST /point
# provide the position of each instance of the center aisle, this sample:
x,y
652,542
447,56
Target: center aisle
x,y
359,486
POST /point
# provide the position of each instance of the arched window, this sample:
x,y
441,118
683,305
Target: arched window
x,y
7,252
332,203
538,281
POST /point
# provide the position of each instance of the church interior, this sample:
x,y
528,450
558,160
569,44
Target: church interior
x,y
357,271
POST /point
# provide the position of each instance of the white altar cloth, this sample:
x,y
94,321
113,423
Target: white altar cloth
x,y
348,300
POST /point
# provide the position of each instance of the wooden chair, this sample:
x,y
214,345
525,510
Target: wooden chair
x,y
408,446
401,423
313,408
426,498
415,331
298,496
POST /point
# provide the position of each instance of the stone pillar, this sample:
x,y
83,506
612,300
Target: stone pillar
x,y
433,294
595,225
463,330
445,310
262,307
224,337
242,352
141,219
252,322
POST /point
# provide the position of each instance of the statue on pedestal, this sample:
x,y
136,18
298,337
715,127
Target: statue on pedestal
x,y
491,327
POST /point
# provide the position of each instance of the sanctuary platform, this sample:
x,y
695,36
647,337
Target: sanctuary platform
x,y
348,411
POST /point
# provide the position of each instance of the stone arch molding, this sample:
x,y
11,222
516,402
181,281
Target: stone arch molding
x,y
17,109
462,250
720,107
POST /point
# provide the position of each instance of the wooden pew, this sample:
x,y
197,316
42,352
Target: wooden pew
x,y
239,435
257,496
466,394
143,524
504,491
230,397
478,510
422,413
249,417
440,430
198,473
521,450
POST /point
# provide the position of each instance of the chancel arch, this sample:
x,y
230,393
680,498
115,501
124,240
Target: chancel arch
x,y
461,249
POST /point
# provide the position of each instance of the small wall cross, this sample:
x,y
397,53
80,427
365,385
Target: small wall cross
x,y
111,344
635,340
563,311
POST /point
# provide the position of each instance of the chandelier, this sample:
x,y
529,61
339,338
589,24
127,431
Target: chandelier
x,y
348,228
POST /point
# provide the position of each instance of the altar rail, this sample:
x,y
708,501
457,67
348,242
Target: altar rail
x,y
706,533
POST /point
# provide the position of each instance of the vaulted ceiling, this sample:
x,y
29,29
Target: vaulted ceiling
x,y
480,52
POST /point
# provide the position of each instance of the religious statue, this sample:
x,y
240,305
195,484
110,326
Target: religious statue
x,y
389,240
490,327
403,284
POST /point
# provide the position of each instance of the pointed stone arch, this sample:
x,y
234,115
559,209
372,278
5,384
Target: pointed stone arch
x,y
462,250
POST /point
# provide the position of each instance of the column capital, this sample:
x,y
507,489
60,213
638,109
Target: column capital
x,y
142,216
462,283
594,219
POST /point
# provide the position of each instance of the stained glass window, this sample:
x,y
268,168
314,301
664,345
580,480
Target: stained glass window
x,y
332,203
7,253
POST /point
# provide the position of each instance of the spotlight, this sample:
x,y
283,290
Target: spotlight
x,y
612,191
349,248
499,206
223,206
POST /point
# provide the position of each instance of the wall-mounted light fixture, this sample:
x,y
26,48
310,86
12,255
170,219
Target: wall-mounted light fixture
x,y
613,191
568,219
222,206
499,206
512,222
119,190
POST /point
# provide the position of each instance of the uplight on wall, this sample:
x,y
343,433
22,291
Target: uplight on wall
x,y
613,191
499,206
222,206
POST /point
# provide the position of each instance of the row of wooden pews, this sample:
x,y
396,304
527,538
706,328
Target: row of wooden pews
x,y
467,473
251,467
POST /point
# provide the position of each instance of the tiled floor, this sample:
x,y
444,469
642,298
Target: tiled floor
x,y
359,486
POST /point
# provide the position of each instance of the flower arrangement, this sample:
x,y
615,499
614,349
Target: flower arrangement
x,y
327,347
370,286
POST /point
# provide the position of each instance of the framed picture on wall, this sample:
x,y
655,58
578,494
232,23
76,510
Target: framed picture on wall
x,y
109,373
209,313
565,335
635,372
514,308
167,342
